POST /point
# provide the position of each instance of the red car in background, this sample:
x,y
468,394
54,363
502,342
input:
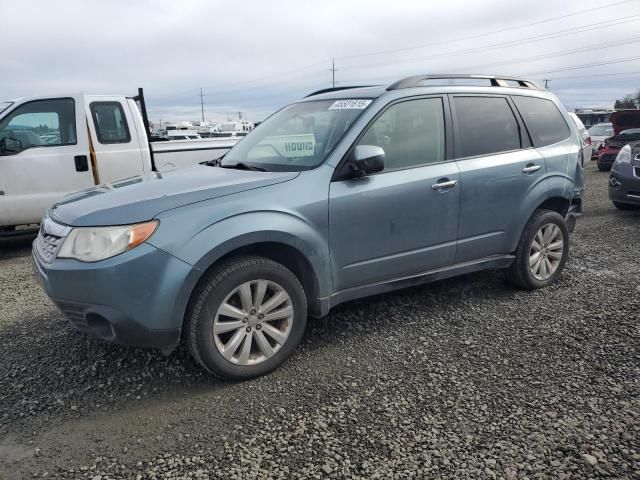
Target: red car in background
x,y
626,129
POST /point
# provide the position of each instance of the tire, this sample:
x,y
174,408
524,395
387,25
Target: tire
x,y
225,284
625,206
603,168
520,273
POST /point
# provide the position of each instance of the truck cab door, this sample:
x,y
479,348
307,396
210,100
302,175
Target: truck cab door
x,y
114,137
44,155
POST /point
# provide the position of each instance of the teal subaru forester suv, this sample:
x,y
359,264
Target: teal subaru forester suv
x,y
346,193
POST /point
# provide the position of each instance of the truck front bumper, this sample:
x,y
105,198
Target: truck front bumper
x,y
136,298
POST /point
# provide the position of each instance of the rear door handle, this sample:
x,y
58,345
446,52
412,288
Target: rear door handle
x,y
443,185
530,168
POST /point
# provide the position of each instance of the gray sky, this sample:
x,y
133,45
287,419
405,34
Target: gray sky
x,y
254,57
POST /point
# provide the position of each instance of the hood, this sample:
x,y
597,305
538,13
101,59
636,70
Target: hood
x,y
623,119
139,199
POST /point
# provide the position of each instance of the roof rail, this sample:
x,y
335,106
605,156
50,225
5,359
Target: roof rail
x,y
495,80
336,89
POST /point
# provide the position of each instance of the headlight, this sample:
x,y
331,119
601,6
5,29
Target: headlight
x,y
624,155
90,244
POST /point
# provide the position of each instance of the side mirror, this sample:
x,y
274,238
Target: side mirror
x,y
368,159
10,145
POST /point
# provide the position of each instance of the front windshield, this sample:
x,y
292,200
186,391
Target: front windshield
x,y
298,137
601,130
4,106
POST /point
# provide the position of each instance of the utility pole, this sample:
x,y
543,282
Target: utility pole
x,y
333,73
202,103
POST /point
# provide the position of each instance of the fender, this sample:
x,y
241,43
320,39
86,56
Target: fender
x,y
550,186
242,230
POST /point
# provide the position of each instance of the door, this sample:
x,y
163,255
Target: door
x,y
498,168
403,220
114,139
44,155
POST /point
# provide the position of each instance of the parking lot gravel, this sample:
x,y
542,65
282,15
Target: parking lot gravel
x,y
464,378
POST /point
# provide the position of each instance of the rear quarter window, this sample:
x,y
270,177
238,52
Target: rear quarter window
x,y
543,120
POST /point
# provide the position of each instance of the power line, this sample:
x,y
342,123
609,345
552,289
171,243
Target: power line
x,y
535,38
587,65
486,34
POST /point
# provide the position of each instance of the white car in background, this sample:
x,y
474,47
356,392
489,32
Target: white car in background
x,y
587,148
599,133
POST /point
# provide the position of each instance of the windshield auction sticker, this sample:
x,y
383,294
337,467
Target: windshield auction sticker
x,y
350,105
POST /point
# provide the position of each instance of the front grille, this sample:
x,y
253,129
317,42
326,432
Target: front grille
x,y
50,239
48,245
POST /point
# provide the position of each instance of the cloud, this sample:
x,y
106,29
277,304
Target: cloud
x,y
254,57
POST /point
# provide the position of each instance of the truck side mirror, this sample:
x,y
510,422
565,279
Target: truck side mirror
x,y
9,145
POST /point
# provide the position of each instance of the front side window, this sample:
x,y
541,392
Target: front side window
x,y
110,122
411,133
545,123
41,123
486,125
298,137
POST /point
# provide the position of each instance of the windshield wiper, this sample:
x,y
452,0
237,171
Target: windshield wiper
x,y
244,166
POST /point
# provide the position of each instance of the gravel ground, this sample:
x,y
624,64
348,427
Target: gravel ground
x,y
465,378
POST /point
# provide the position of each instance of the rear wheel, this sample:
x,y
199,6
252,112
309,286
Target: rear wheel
x,y
542,251
625,206
246,318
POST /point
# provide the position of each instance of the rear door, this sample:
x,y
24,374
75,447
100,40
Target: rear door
x,y
403,220
44,155
498,168
114,138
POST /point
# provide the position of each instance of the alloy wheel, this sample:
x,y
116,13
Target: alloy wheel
x,y
253,322
546,251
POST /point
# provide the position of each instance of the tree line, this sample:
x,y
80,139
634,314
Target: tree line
x,y
631,100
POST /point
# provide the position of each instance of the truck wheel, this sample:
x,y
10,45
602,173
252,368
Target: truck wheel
x,y
625,206
542,251
246,318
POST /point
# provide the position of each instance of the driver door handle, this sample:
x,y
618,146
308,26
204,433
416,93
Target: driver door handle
x,y
530,168
442,185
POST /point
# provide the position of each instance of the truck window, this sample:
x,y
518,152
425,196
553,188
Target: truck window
x,y
110,122
41,123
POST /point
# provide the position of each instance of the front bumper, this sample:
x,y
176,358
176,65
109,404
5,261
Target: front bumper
x,y
607,157
624,183
135,298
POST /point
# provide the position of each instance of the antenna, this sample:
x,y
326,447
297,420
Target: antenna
x,y
546,82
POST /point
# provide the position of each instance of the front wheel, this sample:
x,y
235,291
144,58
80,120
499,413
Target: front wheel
x,y
246,318
542,251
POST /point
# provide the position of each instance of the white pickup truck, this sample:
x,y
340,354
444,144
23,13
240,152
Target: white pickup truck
x,y
52,146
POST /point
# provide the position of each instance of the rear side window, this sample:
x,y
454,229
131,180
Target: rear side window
x,y
110,122
486,125
544,121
